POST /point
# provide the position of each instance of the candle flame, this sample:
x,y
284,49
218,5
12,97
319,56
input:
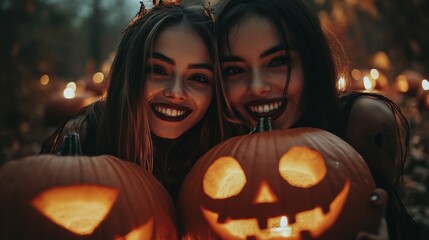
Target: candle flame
x,y
284,221
367,83
44,80
341,84
425,84
71,85
98,77
374,73
69,93
402,83
356,74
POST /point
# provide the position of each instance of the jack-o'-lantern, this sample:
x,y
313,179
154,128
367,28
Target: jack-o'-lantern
x,y
81,197
301,183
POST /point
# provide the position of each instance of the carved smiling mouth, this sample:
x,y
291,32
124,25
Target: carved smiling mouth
x,y
268,108
170,112
313,222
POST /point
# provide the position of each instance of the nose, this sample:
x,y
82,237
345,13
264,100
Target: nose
x,y
265,194
175,89
258,84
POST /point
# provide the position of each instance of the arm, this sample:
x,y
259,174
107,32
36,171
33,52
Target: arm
x,y
373,130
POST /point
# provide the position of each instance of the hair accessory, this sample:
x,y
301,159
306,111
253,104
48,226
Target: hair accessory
x,y
145,8
209,11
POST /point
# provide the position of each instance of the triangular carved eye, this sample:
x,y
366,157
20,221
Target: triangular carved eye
x,y
224,178
302,167
79,209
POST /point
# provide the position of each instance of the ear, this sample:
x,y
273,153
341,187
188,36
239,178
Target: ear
x,y
378,199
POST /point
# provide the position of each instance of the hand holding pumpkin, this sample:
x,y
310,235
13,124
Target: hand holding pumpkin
x,y
379,199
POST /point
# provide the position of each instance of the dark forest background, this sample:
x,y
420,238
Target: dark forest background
x,y
74,40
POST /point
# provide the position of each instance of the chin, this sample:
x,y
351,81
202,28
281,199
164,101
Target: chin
x,y
168,135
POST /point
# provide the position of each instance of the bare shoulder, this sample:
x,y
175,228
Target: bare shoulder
x,y
369,112
373,132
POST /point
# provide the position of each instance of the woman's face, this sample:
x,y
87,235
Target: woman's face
x,y
179,81
255,72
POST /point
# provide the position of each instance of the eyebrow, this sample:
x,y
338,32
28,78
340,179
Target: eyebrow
x,y
164,58
277,48
201,65
272,50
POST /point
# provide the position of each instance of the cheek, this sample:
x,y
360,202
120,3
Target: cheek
x,y
151,89
296,83
202,99
235,94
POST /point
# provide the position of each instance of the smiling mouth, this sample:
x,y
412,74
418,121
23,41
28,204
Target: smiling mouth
x,y
271,108
169,112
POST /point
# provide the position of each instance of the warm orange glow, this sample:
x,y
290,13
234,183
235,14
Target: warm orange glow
x,y
356,74
224,178
425,84
98,77
265,194
277,229
69,93
313,221
144,232
44,80
106,67
302,167
316,221
341,84
382,81
89,100
381,60
79,209
402,83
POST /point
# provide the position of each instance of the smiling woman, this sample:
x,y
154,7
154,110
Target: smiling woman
x,y
159,111
180,82
276,62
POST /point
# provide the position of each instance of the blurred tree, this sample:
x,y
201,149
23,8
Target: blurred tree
x,y
52,37
366,27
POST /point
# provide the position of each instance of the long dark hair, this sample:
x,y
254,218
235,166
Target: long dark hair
x,y
123,125
300,29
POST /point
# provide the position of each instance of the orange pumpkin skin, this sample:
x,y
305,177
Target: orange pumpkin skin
x,y
204,214
139,202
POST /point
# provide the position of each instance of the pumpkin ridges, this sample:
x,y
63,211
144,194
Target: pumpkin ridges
x,y
52,171
331,147
166,201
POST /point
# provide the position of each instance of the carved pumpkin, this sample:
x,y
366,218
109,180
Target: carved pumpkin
x,y
81,197
300,183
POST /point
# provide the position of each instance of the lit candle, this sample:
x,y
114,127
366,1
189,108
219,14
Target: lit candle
x,y
283,231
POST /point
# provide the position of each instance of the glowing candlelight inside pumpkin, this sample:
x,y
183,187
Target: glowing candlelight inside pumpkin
x,y
284,229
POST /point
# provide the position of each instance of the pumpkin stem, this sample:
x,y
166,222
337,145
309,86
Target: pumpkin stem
x,y
71,145
264,124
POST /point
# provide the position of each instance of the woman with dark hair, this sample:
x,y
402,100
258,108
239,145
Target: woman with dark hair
x,y
161,109
276,62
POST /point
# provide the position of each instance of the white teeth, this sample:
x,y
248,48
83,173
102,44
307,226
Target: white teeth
x,y
169,111
265,108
